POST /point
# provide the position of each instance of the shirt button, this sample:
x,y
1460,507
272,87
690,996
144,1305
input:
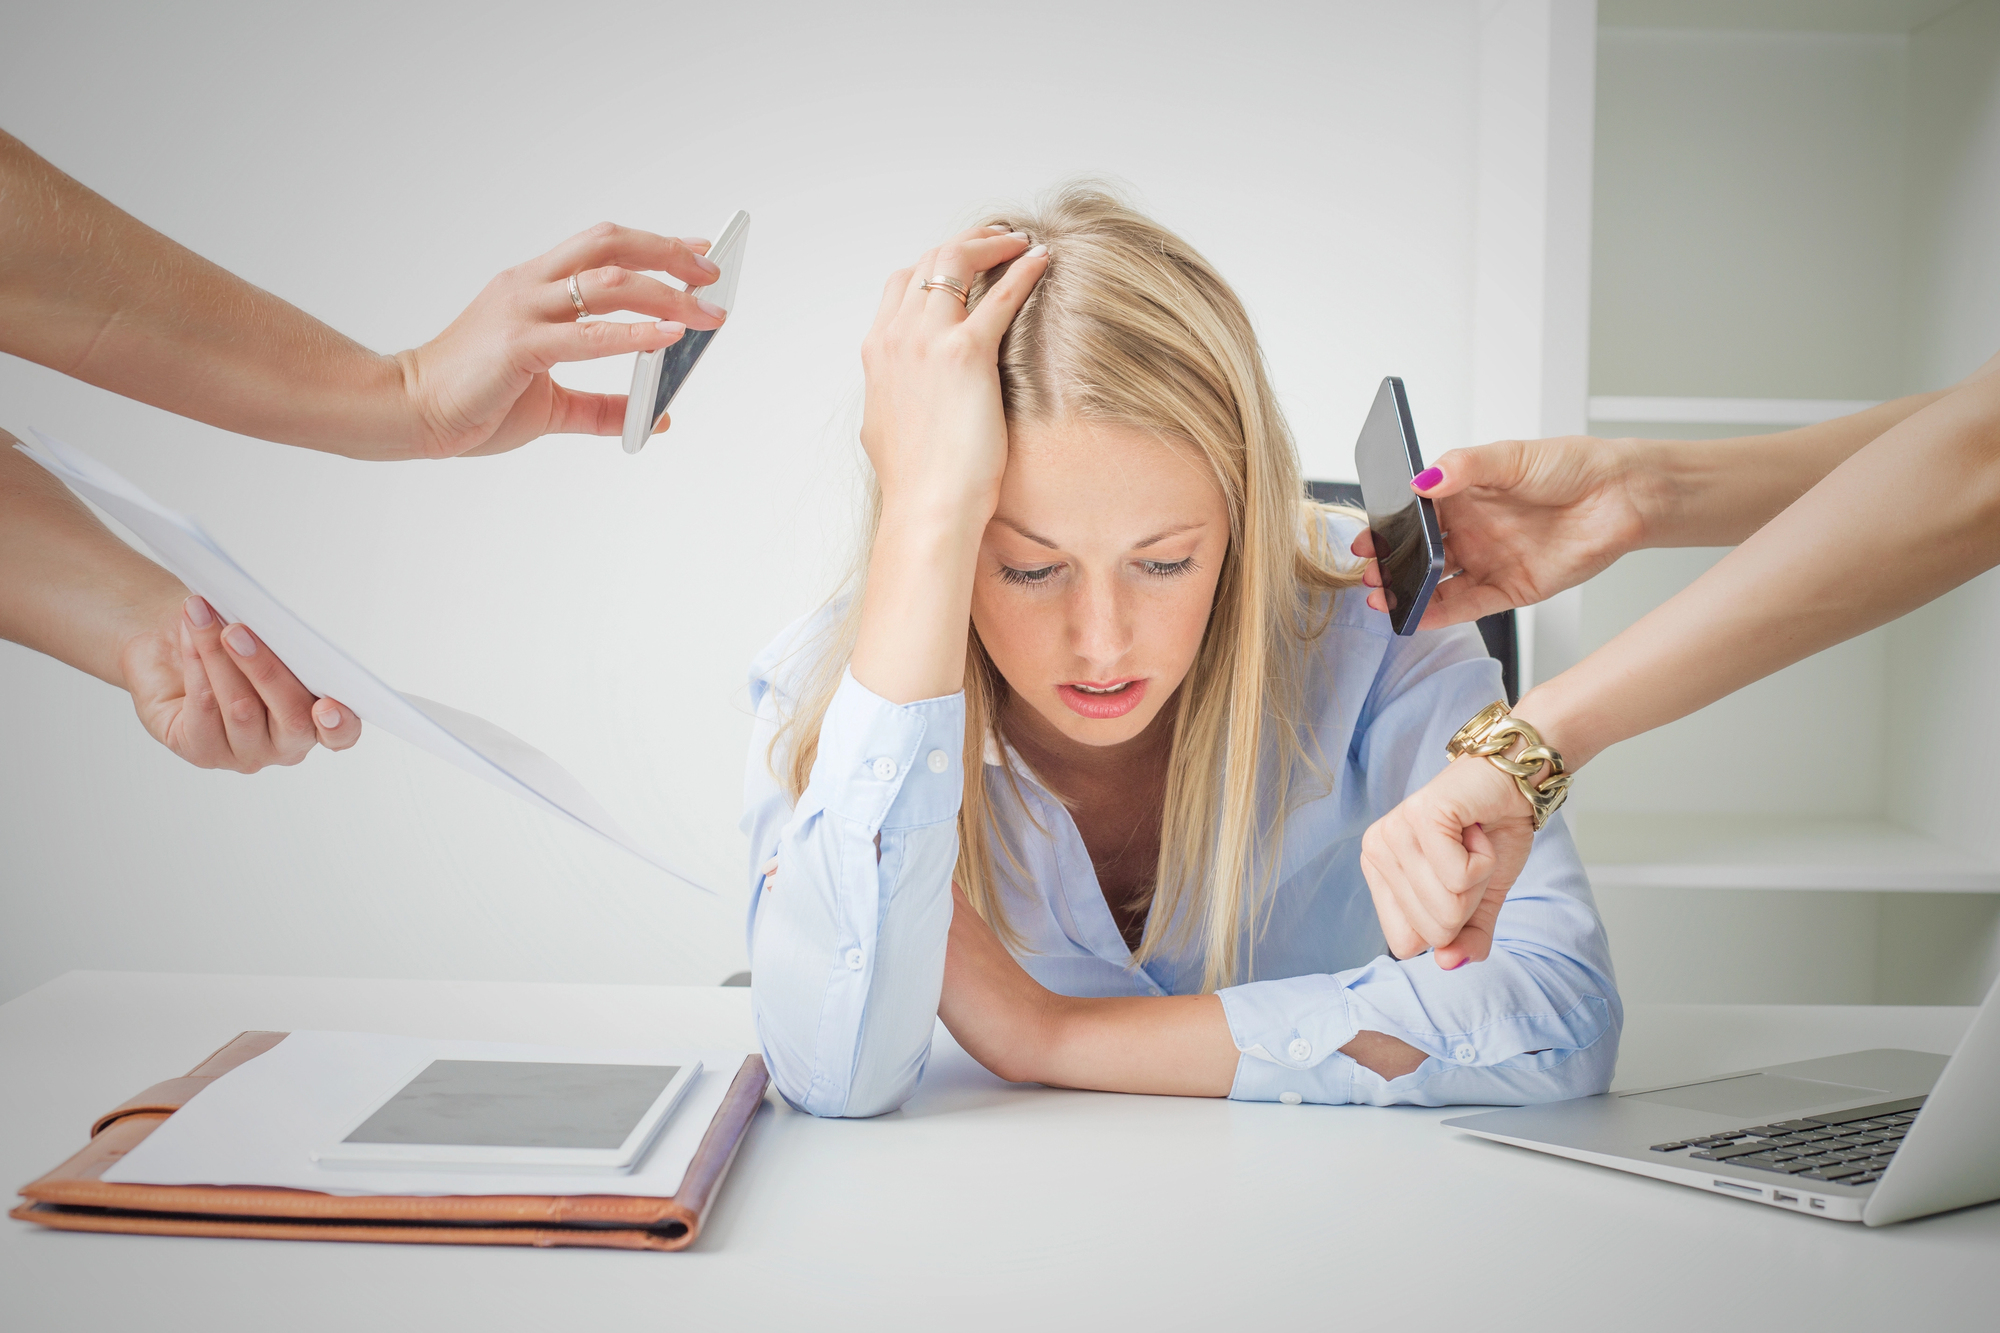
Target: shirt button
x,y
1290,1098
885,768
1463,1054
1300,1049
938,760
855,960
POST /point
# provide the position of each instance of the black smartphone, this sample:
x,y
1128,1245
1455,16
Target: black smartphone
x,y
1409,548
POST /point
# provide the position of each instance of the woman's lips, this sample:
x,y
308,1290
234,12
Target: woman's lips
x,y
1118,697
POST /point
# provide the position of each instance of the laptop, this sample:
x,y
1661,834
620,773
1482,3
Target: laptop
x,y
1873,1137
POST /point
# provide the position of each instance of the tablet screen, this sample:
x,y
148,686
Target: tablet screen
x,y
518,1104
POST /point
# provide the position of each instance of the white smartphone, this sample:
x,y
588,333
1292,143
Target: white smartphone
x,y
515,1115
658,376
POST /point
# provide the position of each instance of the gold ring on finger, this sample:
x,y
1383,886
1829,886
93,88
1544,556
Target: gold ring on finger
x,y
576,297
941,283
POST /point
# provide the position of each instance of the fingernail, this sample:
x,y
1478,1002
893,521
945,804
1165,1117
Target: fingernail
x,y
329,716
240,641
198,613
708,266
673,328
1036,252
1017,235
1426,479
711,309
996,226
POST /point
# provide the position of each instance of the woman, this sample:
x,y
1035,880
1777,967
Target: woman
x,y
1104,674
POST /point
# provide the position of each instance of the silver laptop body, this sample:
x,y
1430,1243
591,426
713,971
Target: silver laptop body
x,y
1874,1137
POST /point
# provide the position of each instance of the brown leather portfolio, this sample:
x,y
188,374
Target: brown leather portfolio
x,y
74,1197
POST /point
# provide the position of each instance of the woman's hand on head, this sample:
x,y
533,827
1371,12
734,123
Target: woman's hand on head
x,y
1439,865
933,425
217,696
1523,520
483,387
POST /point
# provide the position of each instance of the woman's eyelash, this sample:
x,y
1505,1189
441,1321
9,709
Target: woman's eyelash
x,y
1159,569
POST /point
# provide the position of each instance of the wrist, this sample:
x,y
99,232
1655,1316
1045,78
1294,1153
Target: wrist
x,y
405,424
1655,478
1554,709
141,625
940,512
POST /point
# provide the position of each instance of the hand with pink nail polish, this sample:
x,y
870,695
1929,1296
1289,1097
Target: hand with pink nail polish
x,y
1523,520
1439,865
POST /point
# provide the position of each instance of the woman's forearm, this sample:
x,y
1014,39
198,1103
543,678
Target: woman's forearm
x,y
1906,518
68,587
1172,1046
1718,492
917,604
89,290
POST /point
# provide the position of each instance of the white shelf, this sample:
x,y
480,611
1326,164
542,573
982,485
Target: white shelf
x,y
1772,852
1726,411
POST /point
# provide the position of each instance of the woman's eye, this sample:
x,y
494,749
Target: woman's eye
x,y
1169,570
1028,576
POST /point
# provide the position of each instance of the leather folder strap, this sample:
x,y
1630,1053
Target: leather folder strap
x,y
168,1097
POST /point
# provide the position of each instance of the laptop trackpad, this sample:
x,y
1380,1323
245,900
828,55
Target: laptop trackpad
x,y
1754,1096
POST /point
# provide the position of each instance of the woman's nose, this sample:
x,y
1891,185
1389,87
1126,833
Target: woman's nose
x,y
1100,629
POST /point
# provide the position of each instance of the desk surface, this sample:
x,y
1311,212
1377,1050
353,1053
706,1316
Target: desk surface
x,y
984,1205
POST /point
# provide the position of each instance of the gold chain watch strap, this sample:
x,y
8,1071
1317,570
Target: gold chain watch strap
x,y
1491,733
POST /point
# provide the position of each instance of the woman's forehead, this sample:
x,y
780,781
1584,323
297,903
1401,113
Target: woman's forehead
x,y
1072,481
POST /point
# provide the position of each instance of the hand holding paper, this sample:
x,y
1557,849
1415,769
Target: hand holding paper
x,y
197,560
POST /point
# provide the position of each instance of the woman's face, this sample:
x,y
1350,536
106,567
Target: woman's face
x,y
1097,573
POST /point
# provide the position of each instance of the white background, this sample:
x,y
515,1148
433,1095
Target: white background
x,y
375,164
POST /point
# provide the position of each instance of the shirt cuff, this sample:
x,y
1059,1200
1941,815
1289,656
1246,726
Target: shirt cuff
x,y
890,766
1289,1033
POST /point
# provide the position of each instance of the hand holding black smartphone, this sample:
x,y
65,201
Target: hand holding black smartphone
x,y
1409,547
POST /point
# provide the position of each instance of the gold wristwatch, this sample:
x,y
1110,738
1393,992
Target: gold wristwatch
x,y
1491,734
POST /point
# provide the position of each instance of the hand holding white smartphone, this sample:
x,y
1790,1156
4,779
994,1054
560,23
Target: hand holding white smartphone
x,y
658,375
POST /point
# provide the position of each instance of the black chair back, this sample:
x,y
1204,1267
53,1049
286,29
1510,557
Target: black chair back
x,y
1498,630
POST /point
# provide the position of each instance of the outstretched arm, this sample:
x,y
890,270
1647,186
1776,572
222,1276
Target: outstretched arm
x,y
212,693
89,290
1528,518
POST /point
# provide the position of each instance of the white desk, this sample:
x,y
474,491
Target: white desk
x,y
982,1205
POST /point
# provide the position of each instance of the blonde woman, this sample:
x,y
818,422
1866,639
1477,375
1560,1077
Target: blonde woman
x,y
1104,675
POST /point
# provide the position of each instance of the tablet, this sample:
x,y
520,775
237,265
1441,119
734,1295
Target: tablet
x,y
658,375
516,1115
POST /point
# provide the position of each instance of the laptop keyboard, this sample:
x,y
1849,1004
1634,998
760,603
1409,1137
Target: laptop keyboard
x,y
1845,1147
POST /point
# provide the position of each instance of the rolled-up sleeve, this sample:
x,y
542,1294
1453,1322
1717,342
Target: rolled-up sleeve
x,y
1537,1021
847,941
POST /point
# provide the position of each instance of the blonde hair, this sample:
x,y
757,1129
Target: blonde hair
x,y
1129,326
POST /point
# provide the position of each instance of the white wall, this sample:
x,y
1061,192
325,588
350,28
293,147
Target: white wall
x,y
1748,244
376,163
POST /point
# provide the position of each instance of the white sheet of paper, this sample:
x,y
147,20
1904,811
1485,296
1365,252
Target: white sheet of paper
x,y
257,1124
472,743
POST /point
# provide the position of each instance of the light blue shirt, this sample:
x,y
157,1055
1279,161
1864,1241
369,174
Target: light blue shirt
x,y
847,948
